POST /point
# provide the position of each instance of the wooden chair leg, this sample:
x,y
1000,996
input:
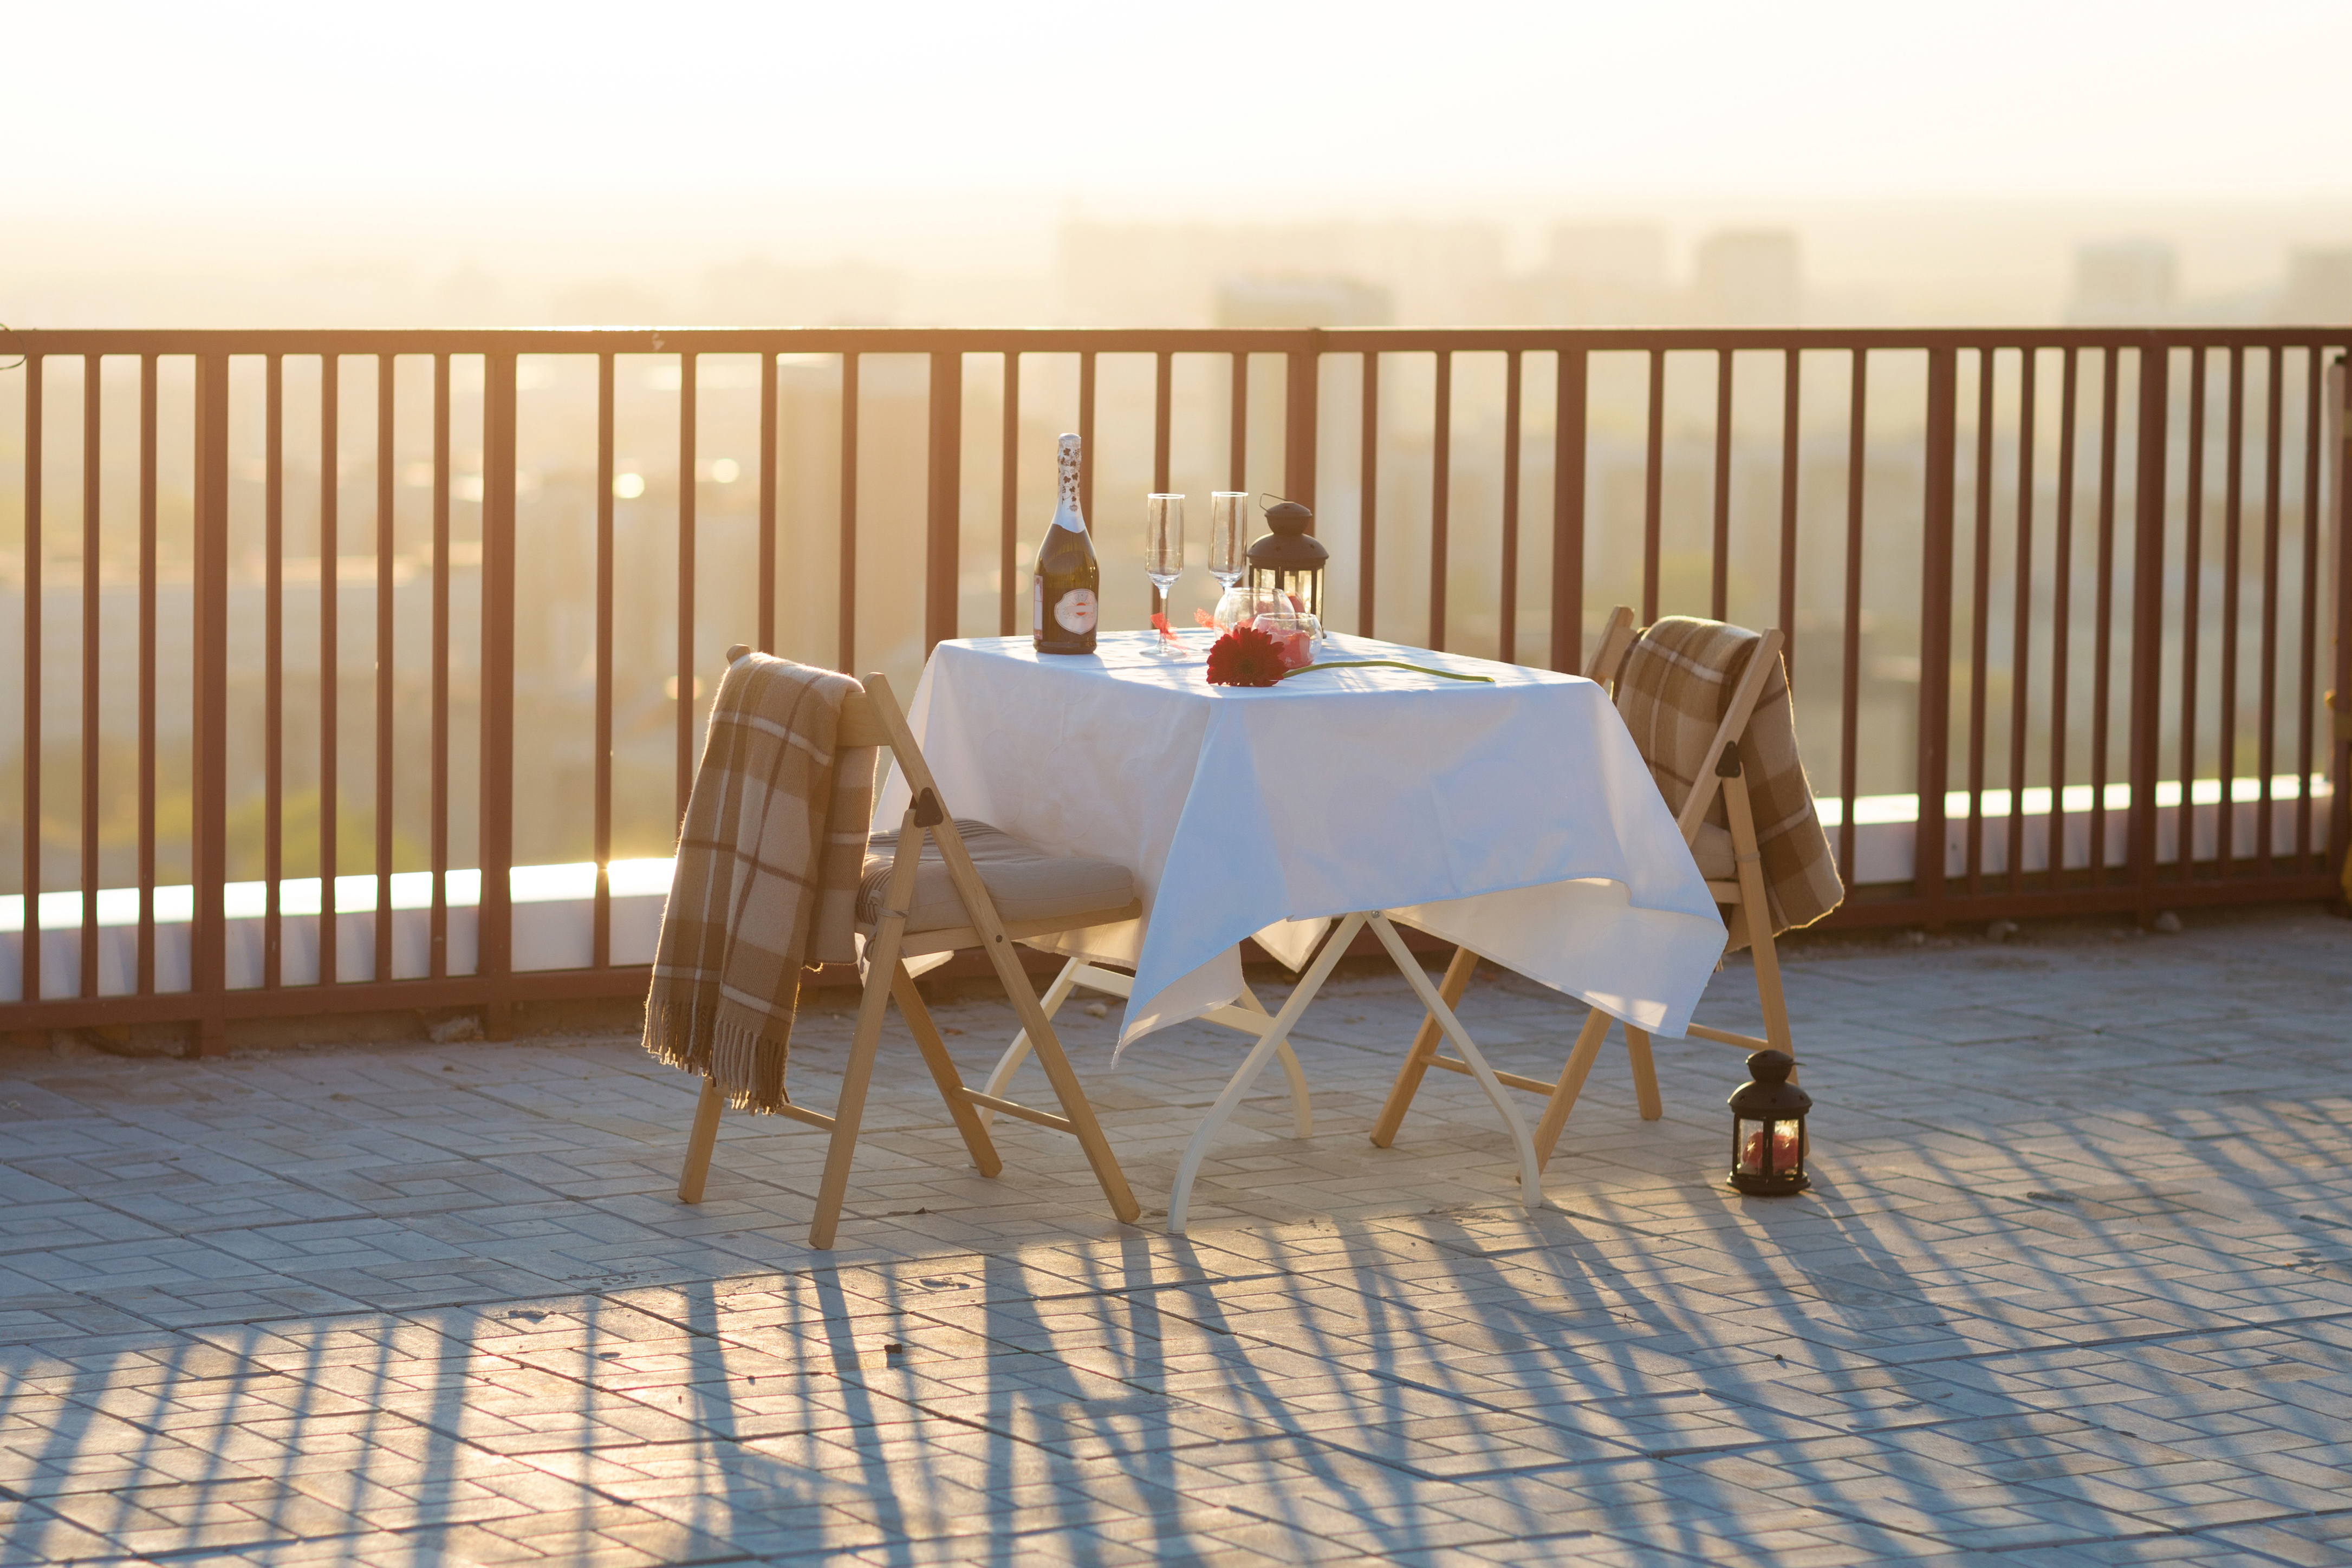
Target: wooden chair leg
x,y
943,1071
1645,1076
1758,913
1067,1087
1424,1050
1570,1085
699,1142
854,1077
1014,1054
881,966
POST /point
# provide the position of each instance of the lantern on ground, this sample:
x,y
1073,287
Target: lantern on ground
x,y
1768,1128
1290,558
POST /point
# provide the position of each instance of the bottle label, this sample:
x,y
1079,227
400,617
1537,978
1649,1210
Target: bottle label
x,y
1076,612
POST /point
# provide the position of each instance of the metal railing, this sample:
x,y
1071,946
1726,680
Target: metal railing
x,y
2142,515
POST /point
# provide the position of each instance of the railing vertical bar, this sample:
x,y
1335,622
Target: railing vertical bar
x,y
1790,456
846,658
1719,584
438,921
1981,617
1302,393
30,823
92,414
601,934
1507,635
1441,495
1008,517
1163,377
383,665
2307,649
2147,618
1089,459
2339,810
943,514
2266,741
330,480
2103,612
1850,706
207,947
682,760
1935,594
768,413
1568,511
147,564
1653,475
1368,484
1237,425
2062,613
2021,616
497,706
273,672
2232,595
2192,574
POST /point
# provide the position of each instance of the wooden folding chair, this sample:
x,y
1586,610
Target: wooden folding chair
x,y
1738,885
874,718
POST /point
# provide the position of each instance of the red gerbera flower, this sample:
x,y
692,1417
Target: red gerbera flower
x,y
1245,656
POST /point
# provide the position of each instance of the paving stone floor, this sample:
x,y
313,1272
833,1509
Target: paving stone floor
x,y
2074,1286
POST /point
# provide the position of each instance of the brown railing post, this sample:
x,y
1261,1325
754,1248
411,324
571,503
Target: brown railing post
x,y
30,822
1568,514
1301,395
944,515
2147,622
207,953
495,932
1935,634
2339,702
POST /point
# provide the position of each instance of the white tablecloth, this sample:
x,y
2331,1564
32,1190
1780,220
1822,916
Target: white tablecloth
x,y
1517,818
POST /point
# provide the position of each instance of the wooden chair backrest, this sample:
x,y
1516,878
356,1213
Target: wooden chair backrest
x,y
861,723
1617,640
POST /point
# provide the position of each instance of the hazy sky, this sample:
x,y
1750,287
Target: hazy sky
x,y
115,104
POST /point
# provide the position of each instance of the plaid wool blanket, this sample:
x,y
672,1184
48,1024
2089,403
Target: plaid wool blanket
x,y
768,867
1671,691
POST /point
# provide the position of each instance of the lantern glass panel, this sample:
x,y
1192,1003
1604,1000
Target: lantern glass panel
x,y
1773,1148
1305,588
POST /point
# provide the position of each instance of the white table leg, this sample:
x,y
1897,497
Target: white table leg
x,y
1530,1176
1302,1112
1074,974
1010,1062
1180,1198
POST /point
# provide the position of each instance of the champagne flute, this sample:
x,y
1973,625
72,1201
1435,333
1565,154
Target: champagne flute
x,y
1228,521
1163,548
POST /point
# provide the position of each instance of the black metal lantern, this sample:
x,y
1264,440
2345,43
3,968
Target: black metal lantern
x,y
1768,1128
1290,558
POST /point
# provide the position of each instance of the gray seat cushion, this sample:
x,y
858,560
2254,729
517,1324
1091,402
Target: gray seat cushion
x,y
1716,859
1022,884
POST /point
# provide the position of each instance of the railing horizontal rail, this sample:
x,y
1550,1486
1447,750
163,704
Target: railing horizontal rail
x,y
341,607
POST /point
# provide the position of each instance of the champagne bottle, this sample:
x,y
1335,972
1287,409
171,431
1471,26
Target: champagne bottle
x,y
1066,600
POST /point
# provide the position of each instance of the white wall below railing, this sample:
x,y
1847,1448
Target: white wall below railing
x,y
554,907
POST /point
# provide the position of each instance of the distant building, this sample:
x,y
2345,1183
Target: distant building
x,y
1139,275
1294,302
1747,277
2123,282
2318,289
1605,275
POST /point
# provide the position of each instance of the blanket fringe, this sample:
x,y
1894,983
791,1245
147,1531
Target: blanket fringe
x,y
729,1054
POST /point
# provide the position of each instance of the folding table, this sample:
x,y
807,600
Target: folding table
x,y
1516,819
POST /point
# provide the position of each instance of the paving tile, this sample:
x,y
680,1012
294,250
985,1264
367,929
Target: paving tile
x,y
2074,1285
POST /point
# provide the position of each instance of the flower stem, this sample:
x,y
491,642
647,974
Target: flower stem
x,y
1391,664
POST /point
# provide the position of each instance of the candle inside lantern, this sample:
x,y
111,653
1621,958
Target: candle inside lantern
x,y
1784,1148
